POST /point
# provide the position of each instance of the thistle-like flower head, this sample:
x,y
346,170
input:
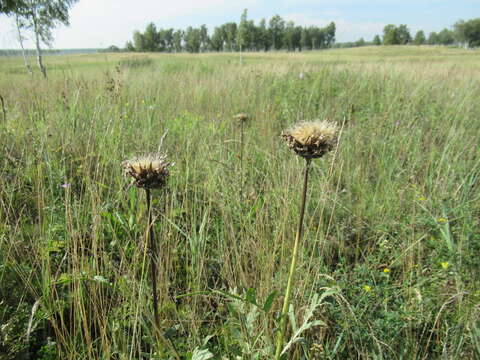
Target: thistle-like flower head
x,y
311,139
148,172
242,117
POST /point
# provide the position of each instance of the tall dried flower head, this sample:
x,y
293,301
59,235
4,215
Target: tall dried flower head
x,y
148,172
242,117
311,139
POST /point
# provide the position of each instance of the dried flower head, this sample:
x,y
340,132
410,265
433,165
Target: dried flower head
x,y
149,172
311,139
242,117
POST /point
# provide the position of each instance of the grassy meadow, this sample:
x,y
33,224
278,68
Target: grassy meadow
x,y
389,262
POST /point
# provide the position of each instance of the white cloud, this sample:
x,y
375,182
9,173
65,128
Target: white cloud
x,y
352,31
346,30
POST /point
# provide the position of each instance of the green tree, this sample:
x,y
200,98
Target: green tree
x,y
263,42
230,30
177,39
468,32
193,39
433,38
419,38
403,34
289,36
390,35
305,39
330,34
317,36
276,28
376,40
217,39
139,41
11,6
446,37
360,42
204,38
42,16
167,36
112,48
297,38
129,46
459,31
151,38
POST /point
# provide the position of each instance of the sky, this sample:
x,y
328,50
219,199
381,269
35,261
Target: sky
x,y
101,23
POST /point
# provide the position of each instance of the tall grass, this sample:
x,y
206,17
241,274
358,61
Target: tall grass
x,y
389,263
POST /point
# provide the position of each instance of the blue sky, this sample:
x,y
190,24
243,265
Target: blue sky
x,y
100,23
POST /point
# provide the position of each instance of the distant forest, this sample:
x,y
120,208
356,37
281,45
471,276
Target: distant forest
x,y
276,34
279,34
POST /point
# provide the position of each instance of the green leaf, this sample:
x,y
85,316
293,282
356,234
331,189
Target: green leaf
x,y
269,301
170,333
201,354
251,296
55,246
63,279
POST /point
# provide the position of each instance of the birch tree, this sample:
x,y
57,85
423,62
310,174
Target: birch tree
x,y
41,17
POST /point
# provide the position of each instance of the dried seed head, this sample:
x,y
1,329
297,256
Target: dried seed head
x,y
148,172
311,139
242,117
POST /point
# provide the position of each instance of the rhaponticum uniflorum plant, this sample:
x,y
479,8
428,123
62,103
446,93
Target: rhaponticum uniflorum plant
x,y
309,140
151,172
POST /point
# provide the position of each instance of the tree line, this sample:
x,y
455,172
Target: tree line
x,y
276,34
465,33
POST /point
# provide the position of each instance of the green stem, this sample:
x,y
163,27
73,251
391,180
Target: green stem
x,y
153,268
153,261
241,161
293,264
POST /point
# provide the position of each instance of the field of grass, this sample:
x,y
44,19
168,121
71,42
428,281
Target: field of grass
x,y
389,262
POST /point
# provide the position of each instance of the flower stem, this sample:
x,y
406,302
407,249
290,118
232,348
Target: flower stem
x,y
153,260
291,275
241,159
153,268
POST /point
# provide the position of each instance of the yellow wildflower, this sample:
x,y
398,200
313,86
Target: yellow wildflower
x,y
445,265
367,288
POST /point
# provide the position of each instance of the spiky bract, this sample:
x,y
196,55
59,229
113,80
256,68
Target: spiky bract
x,y
148,172
311,139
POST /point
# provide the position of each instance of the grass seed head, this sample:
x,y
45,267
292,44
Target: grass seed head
x,y
148,172
311,139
